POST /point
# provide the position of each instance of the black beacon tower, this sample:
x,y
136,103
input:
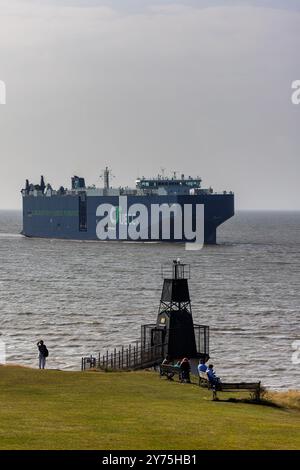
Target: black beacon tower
x,y
175,333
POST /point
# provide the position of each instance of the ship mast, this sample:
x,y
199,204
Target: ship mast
x,y
106,177
106,174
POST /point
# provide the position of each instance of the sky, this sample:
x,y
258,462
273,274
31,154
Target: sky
x,y
201,87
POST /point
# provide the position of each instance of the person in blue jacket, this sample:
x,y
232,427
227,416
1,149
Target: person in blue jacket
x,y
213,379
202,367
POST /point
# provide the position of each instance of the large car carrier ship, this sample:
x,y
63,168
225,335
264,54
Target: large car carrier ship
x,y
174,209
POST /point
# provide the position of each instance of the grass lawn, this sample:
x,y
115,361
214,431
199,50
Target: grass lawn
x,y
131,410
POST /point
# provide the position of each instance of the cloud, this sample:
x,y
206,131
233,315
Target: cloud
x,y
194,89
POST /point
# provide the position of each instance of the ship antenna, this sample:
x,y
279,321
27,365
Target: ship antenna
x,y
106,175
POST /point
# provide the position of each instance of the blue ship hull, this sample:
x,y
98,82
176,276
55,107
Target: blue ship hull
x,y
74,217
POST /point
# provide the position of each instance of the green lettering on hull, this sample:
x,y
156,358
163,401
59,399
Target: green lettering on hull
x,y
49,213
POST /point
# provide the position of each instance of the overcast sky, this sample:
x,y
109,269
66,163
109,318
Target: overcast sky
x,y
198,86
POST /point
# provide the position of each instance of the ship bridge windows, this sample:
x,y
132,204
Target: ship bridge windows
x,y
148,184
167,183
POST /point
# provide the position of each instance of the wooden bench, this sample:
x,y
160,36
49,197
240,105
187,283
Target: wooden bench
x,y
169,370
252,387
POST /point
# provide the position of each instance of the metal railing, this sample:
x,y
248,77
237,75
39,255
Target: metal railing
x,y
143,354
133,357
202,339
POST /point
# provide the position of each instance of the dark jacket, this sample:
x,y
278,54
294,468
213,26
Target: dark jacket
x,y
185,366
43,350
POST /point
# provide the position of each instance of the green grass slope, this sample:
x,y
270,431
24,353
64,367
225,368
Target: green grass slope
x,y
135,410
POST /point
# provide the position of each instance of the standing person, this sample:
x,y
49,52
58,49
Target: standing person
x,y
43,353
185,370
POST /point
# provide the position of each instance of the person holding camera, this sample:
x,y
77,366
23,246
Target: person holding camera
x,y
43,354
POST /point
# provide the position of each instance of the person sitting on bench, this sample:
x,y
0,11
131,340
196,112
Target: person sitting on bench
x,y
212,378
185,370
167,361
202,367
